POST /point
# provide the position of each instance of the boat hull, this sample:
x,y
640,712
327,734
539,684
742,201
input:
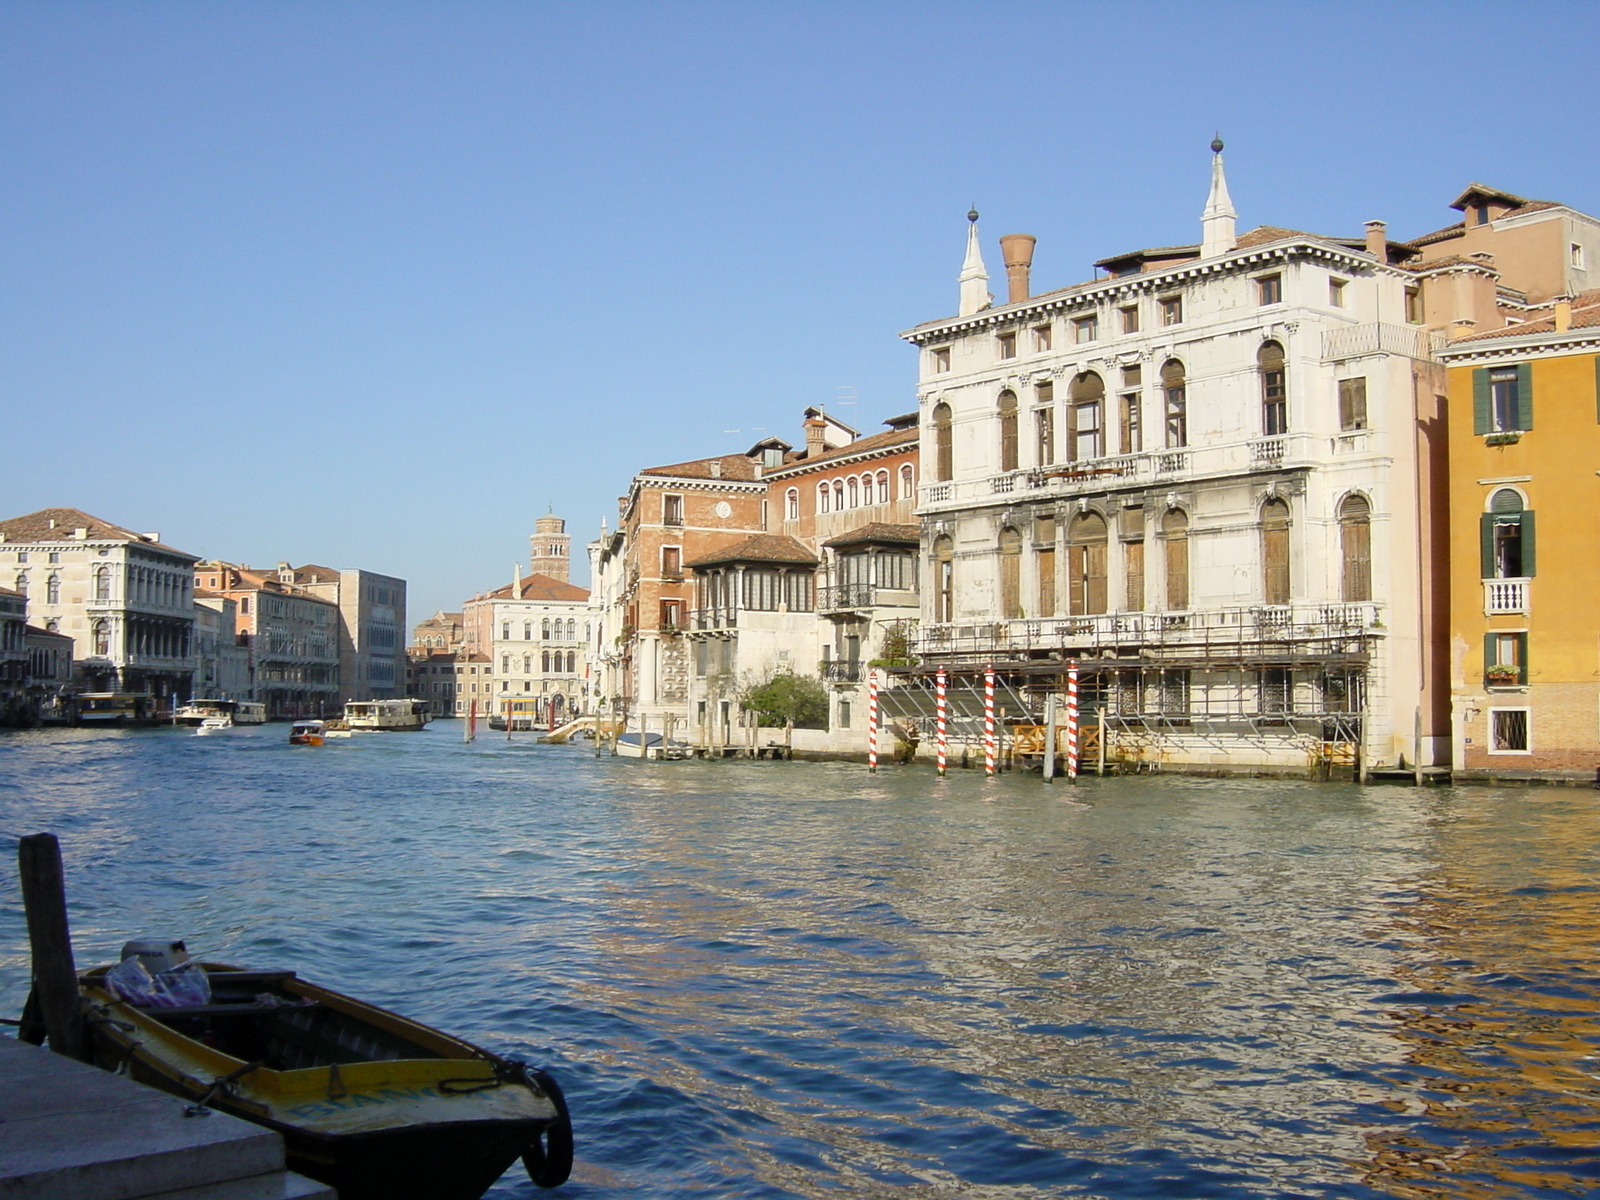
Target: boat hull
x,y
441,1124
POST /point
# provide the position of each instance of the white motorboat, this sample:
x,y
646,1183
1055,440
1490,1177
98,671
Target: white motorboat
x,y
652,746
214,725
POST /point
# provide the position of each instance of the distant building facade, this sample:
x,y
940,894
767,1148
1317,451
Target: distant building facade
x,y
292,638
372,622
124,598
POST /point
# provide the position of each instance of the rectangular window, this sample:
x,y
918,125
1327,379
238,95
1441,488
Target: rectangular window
x,y
1508,731
1175,696
1269,289
1133,576
1414,306
672,510
1352,404
1044,421
1172,310
1502,399
1085,329
671,561
1275,693
1505,659
1132,440
1041,339
1130,318
1336,292
1575,256
1007,345
1046,565
671,614
1177,423
844,714
940,358
1088,435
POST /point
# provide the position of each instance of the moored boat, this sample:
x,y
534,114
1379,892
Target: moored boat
x,y
214,725
307,733
650,745
371,1103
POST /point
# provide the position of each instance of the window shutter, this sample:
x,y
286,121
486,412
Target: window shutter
x,y
1522,659
1489,650
1486,546
1524,395
1527,543
1480,400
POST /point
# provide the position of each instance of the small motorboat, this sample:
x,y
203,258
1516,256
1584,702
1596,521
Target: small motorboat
x,y
650,745
336,729
370,1103
214,725
307,733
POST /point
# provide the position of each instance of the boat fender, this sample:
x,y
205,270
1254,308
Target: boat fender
x,y
549,1159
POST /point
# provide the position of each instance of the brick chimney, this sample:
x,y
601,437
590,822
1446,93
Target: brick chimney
x,y
1378,240
1017,250
816,436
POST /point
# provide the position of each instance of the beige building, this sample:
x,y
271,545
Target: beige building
x,y
372,622
126,599
292,638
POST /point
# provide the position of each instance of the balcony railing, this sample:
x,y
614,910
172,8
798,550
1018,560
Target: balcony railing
x,y
724,617
1269,450
1505,596
840,671
1222,632
1378,337
845,596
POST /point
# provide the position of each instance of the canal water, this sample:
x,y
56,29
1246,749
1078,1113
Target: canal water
x,y
799,980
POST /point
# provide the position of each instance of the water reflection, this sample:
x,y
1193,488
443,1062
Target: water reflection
x,y
799,980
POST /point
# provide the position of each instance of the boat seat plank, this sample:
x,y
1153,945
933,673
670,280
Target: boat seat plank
x,y
244,1009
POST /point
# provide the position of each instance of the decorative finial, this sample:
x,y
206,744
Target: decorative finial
x,y
1216,143
972,214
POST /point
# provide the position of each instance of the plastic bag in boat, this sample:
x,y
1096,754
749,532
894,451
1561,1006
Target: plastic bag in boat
x,y
175,987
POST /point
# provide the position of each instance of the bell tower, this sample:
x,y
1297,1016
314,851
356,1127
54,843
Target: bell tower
x,y
552,548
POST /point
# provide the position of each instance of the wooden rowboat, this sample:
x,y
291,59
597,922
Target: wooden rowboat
x,y
377,1106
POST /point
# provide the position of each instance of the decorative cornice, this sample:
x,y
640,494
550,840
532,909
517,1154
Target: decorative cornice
x,y
1511,347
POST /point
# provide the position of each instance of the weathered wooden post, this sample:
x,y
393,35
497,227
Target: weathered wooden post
x,y
1049,765
55,977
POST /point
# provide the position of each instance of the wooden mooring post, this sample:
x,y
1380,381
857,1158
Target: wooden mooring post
x,y
55,977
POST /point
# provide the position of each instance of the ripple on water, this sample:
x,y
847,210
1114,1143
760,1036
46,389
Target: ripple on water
x,y
796,980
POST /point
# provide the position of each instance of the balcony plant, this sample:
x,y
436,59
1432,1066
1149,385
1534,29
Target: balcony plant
x,y
1503,674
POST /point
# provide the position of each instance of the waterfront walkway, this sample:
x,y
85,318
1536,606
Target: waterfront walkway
x,y
72,1130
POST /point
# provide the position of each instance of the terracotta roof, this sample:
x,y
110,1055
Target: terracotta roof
x,y
763,547
1149,252
1585,315
38,527
735,467
877,531
315,574
539,587
877,441
5,591
35,631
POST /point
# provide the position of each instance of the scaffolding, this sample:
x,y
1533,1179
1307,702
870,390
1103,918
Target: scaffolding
x,y
1283,688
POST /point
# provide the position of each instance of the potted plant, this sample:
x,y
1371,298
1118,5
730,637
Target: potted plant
x,y
1503,674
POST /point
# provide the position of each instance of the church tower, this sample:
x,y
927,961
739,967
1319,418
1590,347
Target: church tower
x,y
552,548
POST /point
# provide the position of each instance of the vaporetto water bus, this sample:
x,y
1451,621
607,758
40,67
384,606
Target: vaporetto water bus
x,y
386,716
236,712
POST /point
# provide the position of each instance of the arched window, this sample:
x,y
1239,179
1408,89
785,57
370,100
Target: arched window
x,y
838,495
1275,551
908,482
824,495
101,631
22,582
572,662
544,630
1175,396
1086,564
943,444
944,553
1008,431
1355,548
102,583
1010,573
1175,540
1086,427
1274,389
884,494
869,491
572,629
1506,537
791,505
52,626
854,490
544,662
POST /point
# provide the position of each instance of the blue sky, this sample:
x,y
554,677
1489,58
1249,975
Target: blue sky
x,y
376,284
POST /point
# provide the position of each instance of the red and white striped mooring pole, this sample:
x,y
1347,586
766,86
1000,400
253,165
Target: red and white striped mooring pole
x,y
942,740
1072,719
872,720
988,721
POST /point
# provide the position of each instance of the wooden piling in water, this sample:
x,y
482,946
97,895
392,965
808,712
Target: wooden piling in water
x,y
55,977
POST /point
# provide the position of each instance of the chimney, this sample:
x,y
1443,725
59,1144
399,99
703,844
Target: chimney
x,y
816,443
715,468
52,522
1017,251
1378,240
151,537
81,533
1563,313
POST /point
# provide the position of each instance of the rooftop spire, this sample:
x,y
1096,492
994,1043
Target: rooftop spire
x,y
1216,223
974,276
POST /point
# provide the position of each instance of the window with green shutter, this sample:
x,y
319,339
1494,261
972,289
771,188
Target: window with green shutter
x,y
1502,399
1505,659
1505,538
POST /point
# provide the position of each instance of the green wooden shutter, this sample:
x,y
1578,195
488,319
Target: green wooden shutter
x,y
1488,652
1524,395
1522,659
1486,545
1527,542
1480,400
